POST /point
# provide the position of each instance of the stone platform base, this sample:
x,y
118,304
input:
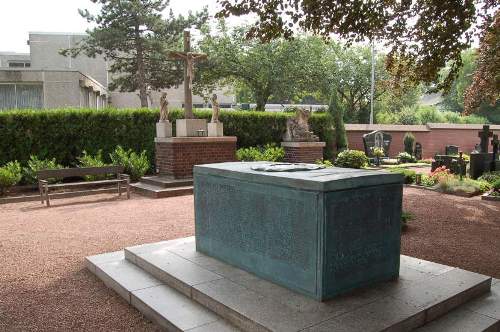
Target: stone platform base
x,y
303,152
181,289
162,187
176,156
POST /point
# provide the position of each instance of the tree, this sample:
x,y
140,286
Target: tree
x,y
280,69
423,36
485,87
453,100
335,109
135,38
348,69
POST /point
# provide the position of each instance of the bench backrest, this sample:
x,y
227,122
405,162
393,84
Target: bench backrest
x,y
80,171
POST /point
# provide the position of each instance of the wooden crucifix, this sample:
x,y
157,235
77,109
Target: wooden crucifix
x,y
485,135
189,58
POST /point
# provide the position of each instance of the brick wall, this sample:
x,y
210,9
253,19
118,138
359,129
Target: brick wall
x,y
433,137
176,157
303,154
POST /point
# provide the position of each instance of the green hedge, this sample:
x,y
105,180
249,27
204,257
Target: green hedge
x,y
64,134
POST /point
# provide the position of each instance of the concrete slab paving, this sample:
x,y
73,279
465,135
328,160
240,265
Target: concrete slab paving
x,y
423,265
382,315
218,326
462,320
174,270
488,304
160,302
124,277
92,261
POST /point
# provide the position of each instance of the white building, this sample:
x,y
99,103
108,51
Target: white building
x,y
46,79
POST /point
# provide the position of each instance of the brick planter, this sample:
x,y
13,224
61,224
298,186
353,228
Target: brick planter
x,y
303,152
176,156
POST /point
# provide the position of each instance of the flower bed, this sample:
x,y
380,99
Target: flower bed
x,y
442,180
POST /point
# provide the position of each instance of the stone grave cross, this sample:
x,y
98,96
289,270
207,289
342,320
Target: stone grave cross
x,y
189,58
485,134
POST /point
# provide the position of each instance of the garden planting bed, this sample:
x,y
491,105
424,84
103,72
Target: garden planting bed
x,y
435,189
489,197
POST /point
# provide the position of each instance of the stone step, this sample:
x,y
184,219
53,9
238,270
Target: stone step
x,y
154,191
481,314
424,292
166,182
160,303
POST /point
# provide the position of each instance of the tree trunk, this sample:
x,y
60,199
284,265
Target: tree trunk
x,y
141,75
261,99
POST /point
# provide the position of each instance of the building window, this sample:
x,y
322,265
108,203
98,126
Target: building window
x,y
14,95
19,64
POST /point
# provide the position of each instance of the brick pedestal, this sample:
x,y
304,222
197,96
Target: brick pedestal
x,y
303,152
176,156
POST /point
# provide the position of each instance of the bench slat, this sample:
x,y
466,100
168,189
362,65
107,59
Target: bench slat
x,y
80,171
86,183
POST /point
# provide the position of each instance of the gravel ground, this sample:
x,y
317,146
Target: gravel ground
x,y
44,285
453,230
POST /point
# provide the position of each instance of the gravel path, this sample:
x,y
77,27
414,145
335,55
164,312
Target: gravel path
x,y
44,285
453,230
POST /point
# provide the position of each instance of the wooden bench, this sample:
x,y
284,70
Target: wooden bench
x,y
44,175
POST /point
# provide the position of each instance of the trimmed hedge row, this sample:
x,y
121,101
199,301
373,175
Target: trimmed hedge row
x,y
64,134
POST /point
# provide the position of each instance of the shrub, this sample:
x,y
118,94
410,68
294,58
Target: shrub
x,y
267,153
405,157
440,174
454,185
351,159
405,217
428,181
378,152
135,165
484,186
496,185
87,160
409,142
326,163
490,177
10,175
34,165
409,175
64,134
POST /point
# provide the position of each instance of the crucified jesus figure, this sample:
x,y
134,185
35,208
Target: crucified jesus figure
x,y
189,59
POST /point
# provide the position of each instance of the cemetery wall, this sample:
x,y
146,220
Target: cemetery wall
x,y
433,136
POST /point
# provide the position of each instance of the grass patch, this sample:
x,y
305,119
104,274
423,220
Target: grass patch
x,y
405,218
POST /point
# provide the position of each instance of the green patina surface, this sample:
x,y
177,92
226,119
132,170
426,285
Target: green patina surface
x,y
321,233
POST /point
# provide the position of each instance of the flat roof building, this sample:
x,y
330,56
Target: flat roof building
x,y
44,78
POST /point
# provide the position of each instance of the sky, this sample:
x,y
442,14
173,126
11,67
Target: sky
x,y
19,17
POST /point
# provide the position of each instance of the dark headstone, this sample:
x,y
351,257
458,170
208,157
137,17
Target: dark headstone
x,y
485,134
451,150
450,162
418,151
376,139
462,165
479,163
494,143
